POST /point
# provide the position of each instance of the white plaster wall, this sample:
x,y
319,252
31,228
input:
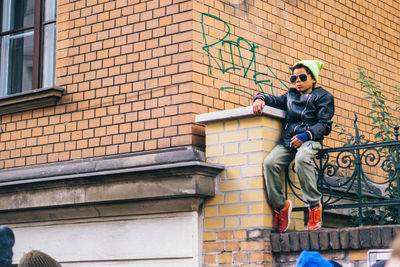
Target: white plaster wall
x,y
168,240
151,263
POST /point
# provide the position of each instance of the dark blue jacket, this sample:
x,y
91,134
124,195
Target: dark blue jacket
x,y
311,113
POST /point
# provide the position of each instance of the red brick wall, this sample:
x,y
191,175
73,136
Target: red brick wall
x,y
135,73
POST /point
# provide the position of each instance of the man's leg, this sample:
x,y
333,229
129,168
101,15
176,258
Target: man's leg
x,y
274,163
273,166
304,167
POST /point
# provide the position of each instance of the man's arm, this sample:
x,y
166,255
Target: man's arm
x,y
260,100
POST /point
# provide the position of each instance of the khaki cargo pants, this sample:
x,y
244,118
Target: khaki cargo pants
x,y
278,159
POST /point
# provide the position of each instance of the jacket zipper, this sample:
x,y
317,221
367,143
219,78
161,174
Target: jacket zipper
x,y
302,114
304,110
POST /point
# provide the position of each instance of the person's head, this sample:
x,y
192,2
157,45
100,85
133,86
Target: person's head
x,y
305,75
7,240
36,258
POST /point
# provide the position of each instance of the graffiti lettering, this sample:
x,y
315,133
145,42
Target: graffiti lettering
x,y
240,46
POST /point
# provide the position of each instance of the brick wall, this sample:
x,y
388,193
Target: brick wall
x,y
136,72
239,247
344,35
126,67
348,246
238,220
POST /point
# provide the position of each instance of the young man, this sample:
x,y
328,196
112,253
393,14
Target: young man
x,y
309,110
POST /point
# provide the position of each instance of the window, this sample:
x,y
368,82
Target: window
x,y
28,38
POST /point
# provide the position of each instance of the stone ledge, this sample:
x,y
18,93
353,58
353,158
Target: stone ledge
x,y
101,210
33,99
238,113
103,166
335,239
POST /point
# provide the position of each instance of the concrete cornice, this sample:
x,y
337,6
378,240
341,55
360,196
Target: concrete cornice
x,y
103,166
238,113
169,180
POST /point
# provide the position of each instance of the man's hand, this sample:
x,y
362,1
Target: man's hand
x,y
299,139
258,106
295,142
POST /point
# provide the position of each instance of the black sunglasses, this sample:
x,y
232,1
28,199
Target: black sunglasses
x,y
303,77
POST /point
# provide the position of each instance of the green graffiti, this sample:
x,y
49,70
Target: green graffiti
x,y
241,45
233,88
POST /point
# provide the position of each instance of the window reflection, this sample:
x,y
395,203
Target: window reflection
x,y
28,41
17,62
49,55
18,14
50,10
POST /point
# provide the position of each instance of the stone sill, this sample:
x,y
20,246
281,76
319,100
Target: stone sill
x,y
238,113
335,239
33,99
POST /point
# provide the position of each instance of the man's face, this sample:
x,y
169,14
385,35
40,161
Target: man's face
x,y
306,86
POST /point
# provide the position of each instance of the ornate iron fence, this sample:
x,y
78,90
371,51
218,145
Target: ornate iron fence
x,y
344,181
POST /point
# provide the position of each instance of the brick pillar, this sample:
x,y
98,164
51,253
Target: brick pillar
x,y
238,220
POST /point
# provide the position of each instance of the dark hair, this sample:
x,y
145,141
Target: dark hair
x,y
36,258
299,66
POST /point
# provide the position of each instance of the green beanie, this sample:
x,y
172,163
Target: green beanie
x,y
313,65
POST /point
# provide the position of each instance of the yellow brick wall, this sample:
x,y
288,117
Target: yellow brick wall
x,y
240,204
241,145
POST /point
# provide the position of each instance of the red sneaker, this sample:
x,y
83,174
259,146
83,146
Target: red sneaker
x,y
315,218
282,218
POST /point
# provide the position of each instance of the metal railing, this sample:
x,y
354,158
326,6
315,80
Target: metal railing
x,y
344,181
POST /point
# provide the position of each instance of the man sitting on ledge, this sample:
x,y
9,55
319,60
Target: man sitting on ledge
x,y
309,110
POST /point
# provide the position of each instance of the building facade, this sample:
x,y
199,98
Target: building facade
x,y
102,160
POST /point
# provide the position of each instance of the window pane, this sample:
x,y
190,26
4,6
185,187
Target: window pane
x,y
49,55
50,10
18,14
17,62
